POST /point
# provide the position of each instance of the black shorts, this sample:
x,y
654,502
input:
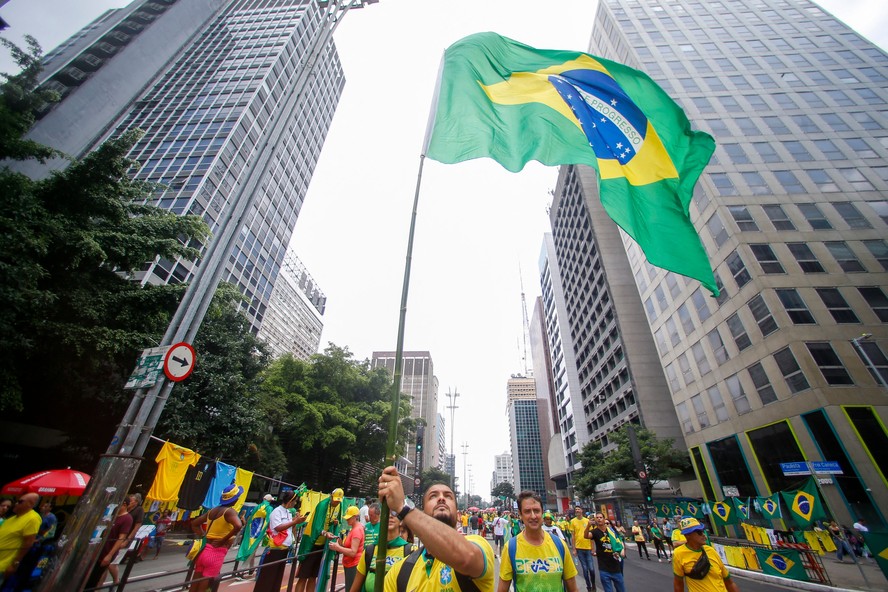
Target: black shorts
x,y
310,567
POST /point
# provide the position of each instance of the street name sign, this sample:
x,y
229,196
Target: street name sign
x,y
148,368
795,468
826,467
179,362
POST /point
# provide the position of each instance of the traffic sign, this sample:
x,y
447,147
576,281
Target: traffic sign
x,y
148,368
417,481
179,362
791,469
642,475
826,467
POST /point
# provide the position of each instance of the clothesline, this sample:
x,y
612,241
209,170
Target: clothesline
x,y
272,479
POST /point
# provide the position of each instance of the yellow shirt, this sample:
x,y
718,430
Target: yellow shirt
x,y
439,577
578,530
172,463
539,567
683,560
678,538
13,531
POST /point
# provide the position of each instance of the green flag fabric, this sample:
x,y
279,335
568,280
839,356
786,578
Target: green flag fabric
x,y
804,505
664,510
784,563
878,545
769,507
255,523
691,510
723,513
741,506
513,103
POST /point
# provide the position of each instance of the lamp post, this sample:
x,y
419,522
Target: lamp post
x,y
453,407
867,360
465,453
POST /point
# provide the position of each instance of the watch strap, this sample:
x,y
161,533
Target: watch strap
x,y
404,511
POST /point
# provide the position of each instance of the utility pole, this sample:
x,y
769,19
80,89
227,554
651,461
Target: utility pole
x,y
465,453
453,407
79,545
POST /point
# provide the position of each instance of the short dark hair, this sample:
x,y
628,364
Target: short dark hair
x,y
525,495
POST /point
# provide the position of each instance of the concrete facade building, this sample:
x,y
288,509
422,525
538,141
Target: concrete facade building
x,y
793,214
420,385
222,92
293,321
440,442
503,471
524,432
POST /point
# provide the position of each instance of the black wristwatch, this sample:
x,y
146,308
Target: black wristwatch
x,y
408,507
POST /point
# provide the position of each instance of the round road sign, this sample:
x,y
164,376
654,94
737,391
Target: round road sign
x,y
179,362
416,481
642,475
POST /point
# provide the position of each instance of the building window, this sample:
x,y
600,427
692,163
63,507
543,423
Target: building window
x,y
756,184
830,151
875,297
872,433
717,346
686,424
792,373
701,359
738,269
874,359
735,153
684,315
851,215
798,151
795,307
777,125
762,384
814,217
718,403
700,411
685,366
767,152
829,363
881,209
774,444
837,305
743,218
762,315
649,309
823,181
844,256
672,329
858,183
879,250
673,378
723,184
738,395
789,182
699,301
766,258
738,332
672,284
778,217
805,258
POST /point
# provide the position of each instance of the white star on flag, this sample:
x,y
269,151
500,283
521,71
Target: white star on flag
x,y
613,102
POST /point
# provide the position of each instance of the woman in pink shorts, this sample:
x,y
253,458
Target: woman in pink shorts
x,y
224,525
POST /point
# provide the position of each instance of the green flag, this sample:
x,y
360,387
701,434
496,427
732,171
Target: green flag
x,y
741,506
255,523
504,100
804,505
663,510
878,545
784,563
769,507
723,513
691,510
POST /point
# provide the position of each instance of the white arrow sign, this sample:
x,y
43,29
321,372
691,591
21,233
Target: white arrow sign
x,y
179,362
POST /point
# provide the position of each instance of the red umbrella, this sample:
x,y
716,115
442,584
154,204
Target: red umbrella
x,y
474,509
52,483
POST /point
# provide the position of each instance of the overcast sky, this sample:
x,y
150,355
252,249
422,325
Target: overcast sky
x,y
477,224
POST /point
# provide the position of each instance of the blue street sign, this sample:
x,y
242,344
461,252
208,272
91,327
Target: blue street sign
x,y
826,467
795,468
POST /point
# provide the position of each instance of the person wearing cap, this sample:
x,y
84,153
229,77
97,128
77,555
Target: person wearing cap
x,y
398,548
313,546
223,526
271,572
550,526
352,547
698,564
677,538
536,560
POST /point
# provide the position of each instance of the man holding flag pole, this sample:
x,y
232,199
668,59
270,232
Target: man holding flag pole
x,y
504,100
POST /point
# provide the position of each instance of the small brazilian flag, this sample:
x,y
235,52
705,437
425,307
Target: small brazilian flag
x,y
723,513
256,523
690,509
878,545
741,506
769,507
784,563
804,505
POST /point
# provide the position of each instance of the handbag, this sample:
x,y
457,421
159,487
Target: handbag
x,y
276,539
701,566
197,546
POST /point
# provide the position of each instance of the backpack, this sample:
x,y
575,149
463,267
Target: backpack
x,y
370,556
513,546
466,584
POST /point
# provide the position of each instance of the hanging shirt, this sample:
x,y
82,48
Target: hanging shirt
x,y
224,477
172,464
242,478
196,484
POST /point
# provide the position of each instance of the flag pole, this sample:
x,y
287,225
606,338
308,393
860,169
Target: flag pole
x,y
390,455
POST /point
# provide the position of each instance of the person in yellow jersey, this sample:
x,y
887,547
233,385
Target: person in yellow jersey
x,y
677,538
447,561
536,560
398,548
582,547
698,564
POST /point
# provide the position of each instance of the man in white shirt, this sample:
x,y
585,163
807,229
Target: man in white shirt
x,y
500,525
364,515
280,521
550,526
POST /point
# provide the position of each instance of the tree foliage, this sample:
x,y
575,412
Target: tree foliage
x,y
661,459
504,489
433,475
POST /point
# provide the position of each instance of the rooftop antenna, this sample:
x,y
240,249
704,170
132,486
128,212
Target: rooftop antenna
x,y
525,333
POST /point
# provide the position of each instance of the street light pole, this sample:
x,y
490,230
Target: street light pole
x,y
453,407
465,453
867,360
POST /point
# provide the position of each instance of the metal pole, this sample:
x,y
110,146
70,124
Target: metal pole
x,y
80,543
453,407
465,453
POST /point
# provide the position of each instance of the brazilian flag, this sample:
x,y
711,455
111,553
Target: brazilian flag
x,y
691,510
664,510
769,507
804,505
723,513
878,545
256,524
783,563
741,506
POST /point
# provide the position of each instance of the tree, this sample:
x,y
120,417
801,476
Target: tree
x,y
433,475
661,459
503,490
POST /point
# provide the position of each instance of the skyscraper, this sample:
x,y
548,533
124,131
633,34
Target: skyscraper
x,y
793,214
502,470
524,432
420,385
222,91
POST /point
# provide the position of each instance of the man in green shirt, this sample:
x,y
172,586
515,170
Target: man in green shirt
x,y
371,529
